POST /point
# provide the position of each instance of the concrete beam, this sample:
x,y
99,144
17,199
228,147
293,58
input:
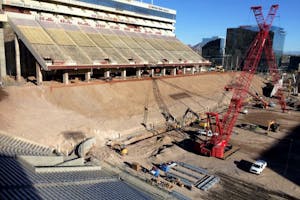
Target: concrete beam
x,y
66,78
18,63
87,76
66,169
39,76
2,54
163,71
123,73
41,160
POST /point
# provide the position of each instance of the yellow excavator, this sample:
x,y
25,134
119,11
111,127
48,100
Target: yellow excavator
x,y
118,147
273,126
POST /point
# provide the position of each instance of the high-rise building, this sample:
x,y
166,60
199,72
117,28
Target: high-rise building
x,y
238,40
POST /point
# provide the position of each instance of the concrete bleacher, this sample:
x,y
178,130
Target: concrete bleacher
x,y
76,40
18,181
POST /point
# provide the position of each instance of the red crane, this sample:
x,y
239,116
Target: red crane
x,y
222,128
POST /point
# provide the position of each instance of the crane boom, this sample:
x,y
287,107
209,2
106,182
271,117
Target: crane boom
x,y
223,127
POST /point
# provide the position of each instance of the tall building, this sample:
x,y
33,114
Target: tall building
x,y
212,49
238,40
90,38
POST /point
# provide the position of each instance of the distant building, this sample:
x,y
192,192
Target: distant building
x,y
211,49
238,40
294,63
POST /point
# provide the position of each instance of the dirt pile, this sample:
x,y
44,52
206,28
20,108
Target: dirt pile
x,y
44,114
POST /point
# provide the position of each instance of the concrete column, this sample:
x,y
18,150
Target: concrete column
x,y
152,72
66,78
174,72
138,73
39,76
18,64
123,73
2,54
193,70
184,70
107,74
163,71
87,76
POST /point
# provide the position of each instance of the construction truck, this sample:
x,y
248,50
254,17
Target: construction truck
x,y
219,68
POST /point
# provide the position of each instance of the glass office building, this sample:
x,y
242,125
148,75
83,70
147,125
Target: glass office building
x,y
238,40
213,49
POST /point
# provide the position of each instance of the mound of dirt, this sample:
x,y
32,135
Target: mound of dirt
x,y
44,113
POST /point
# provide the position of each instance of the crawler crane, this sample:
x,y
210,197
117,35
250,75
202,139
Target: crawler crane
x,y
222,127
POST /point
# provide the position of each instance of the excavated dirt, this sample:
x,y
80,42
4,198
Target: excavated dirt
x,y
61,116
45,114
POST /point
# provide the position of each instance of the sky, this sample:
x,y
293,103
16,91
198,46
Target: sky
x,y
197,19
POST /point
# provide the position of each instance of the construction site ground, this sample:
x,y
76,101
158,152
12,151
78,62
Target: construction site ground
x,y
280,180
60,117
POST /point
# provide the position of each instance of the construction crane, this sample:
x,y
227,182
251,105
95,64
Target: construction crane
x,y
222,128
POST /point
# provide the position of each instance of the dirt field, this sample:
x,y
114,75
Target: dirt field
x,y
60,117
280,180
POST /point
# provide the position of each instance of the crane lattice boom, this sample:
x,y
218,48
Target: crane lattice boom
x,y
262,43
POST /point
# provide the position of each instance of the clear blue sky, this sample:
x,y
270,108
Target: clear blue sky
x,y
197,19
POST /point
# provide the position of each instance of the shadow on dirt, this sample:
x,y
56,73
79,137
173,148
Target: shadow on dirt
x,y
188,145
243,165
283,157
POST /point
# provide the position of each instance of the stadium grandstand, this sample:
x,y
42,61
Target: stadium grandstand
x,y
91,39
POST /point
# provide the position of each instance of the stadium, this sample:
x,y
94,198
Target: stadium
x,y
92,39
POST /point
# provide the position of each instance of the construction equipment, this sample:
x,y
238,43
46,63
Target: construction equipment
x,y
263,102
171,122
118,147
222,128
189,117
273,126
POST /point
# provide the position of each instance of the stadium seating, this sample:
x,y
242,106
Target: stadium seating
x,y
75,40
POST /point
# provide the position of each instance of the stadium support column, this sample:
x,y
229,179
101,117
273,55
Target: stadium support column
x,y
123,73
184,70
107,73
39,76
66,78
152,72
163,71
18,64
193,70
87,76
138,73
174,71
2,53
